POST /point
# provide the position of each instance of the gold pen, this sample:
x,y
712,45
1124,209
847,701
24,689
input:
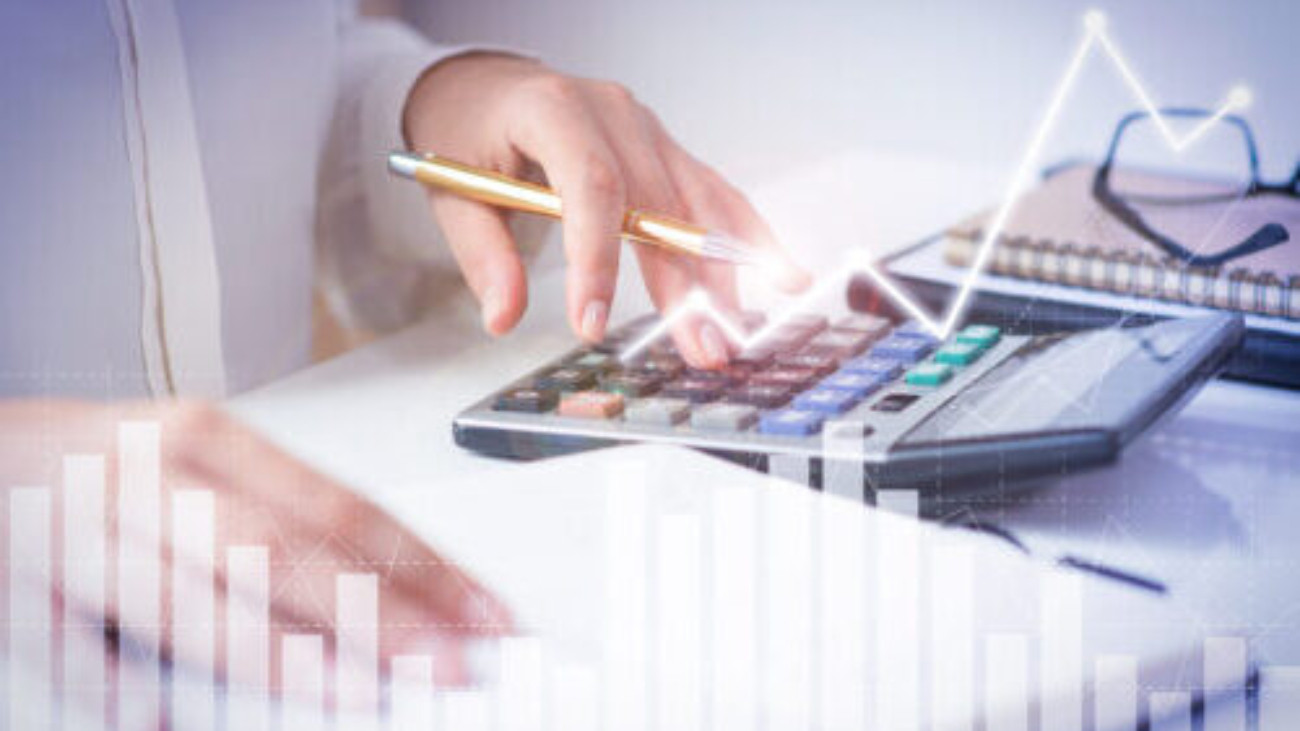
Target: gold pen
x,y
496,189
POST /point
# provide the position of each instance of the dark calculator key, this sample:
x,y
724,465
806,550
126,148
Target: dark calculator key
x,y
693,389
663,346
729,375
762,396
567,379
886,368
796,378
785,339
593,360
821,365
895,402
631,385
870,325
901,347
829,401
527,400
791,422
667,366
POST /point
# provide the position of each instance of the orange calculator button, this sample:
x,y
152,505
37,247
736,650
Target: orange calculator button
x,y
591,405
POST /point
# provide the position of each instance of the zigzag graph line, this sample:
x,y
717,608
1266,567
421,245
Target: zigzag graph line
x,y
698,304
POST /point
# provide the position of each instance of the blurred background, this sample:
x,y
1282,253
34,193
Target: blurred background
x,y
757,83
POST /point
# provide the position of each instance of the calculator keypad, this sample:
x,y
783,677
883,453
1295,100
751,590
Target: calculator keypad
x,y
807,371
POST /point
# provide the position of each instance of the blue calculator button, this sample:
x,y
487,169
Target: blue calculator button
x,y
914,329
901,347
871,365
859,384
826,400
791,423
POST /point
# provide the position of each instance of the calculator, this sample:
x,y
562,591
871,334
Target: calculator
x,y
981,410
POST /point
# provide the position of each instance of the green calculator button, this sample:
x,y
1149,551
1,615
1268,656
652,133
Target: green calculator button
x,y
958,353
929,374
985,336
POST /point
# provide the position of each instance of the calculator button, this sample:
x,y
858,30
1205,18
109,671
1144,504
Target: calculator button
x,y
791,422
527,400
929,374
811,323
591,405
566,379
594,361
860,384
885,368
657,411
826,400
756,357
914,329
958,354
728,376
762,396
899,347
694,390
985,336
839,344
788,377
724,417
631,385
665,366
895,402
871,325
820,365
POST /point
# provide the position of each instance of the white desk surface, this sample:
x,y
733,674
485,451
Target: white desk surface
x,y
1209,502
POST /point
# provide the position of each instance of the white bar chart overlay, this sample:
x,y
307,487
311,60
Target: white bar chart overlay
x,y
357,632
842,616
411,684
31,629
302,681
85,558
1006,682
521,695
734,599
626,598
1223,678
952,635
1279,697
139,571
1170,710
897,624
1115,700
193,604
787,603
1061,652
248,626
678,590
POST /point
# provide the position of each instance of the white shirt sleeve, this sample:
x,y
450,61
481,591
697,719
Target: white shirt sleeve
x,y
382,261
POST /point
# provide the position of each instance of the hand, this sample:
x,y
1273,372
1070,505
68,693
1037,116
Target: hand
x,y
603,152
313,528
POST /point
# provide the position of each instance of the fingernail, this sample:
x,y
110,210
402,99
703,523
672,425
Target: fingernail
x,y
492,302
711,341
593,320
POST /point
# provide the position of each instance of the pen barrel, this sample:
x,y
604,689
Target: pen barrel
x,y
488,187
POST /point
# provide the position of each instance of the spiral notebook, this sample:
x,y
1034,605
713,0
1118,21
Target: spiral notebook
x,y
1063,261
1059,233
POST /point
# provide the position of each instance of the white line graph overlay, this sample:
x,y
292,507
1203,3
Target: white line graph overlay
x,y
1095,37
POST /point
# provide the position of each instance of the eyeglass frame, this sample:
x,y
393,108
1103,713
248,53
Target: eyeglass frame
x,y
1266,237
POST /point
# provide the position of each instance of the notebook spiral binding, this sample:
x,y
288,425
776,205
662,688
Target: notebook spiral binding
x,y
1139,275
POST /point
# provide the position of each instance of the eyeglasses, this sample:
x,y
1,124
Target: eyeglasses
x,y
1120,203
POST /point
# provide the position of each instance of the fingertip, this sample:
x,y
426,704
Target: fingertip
x,y
501,309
